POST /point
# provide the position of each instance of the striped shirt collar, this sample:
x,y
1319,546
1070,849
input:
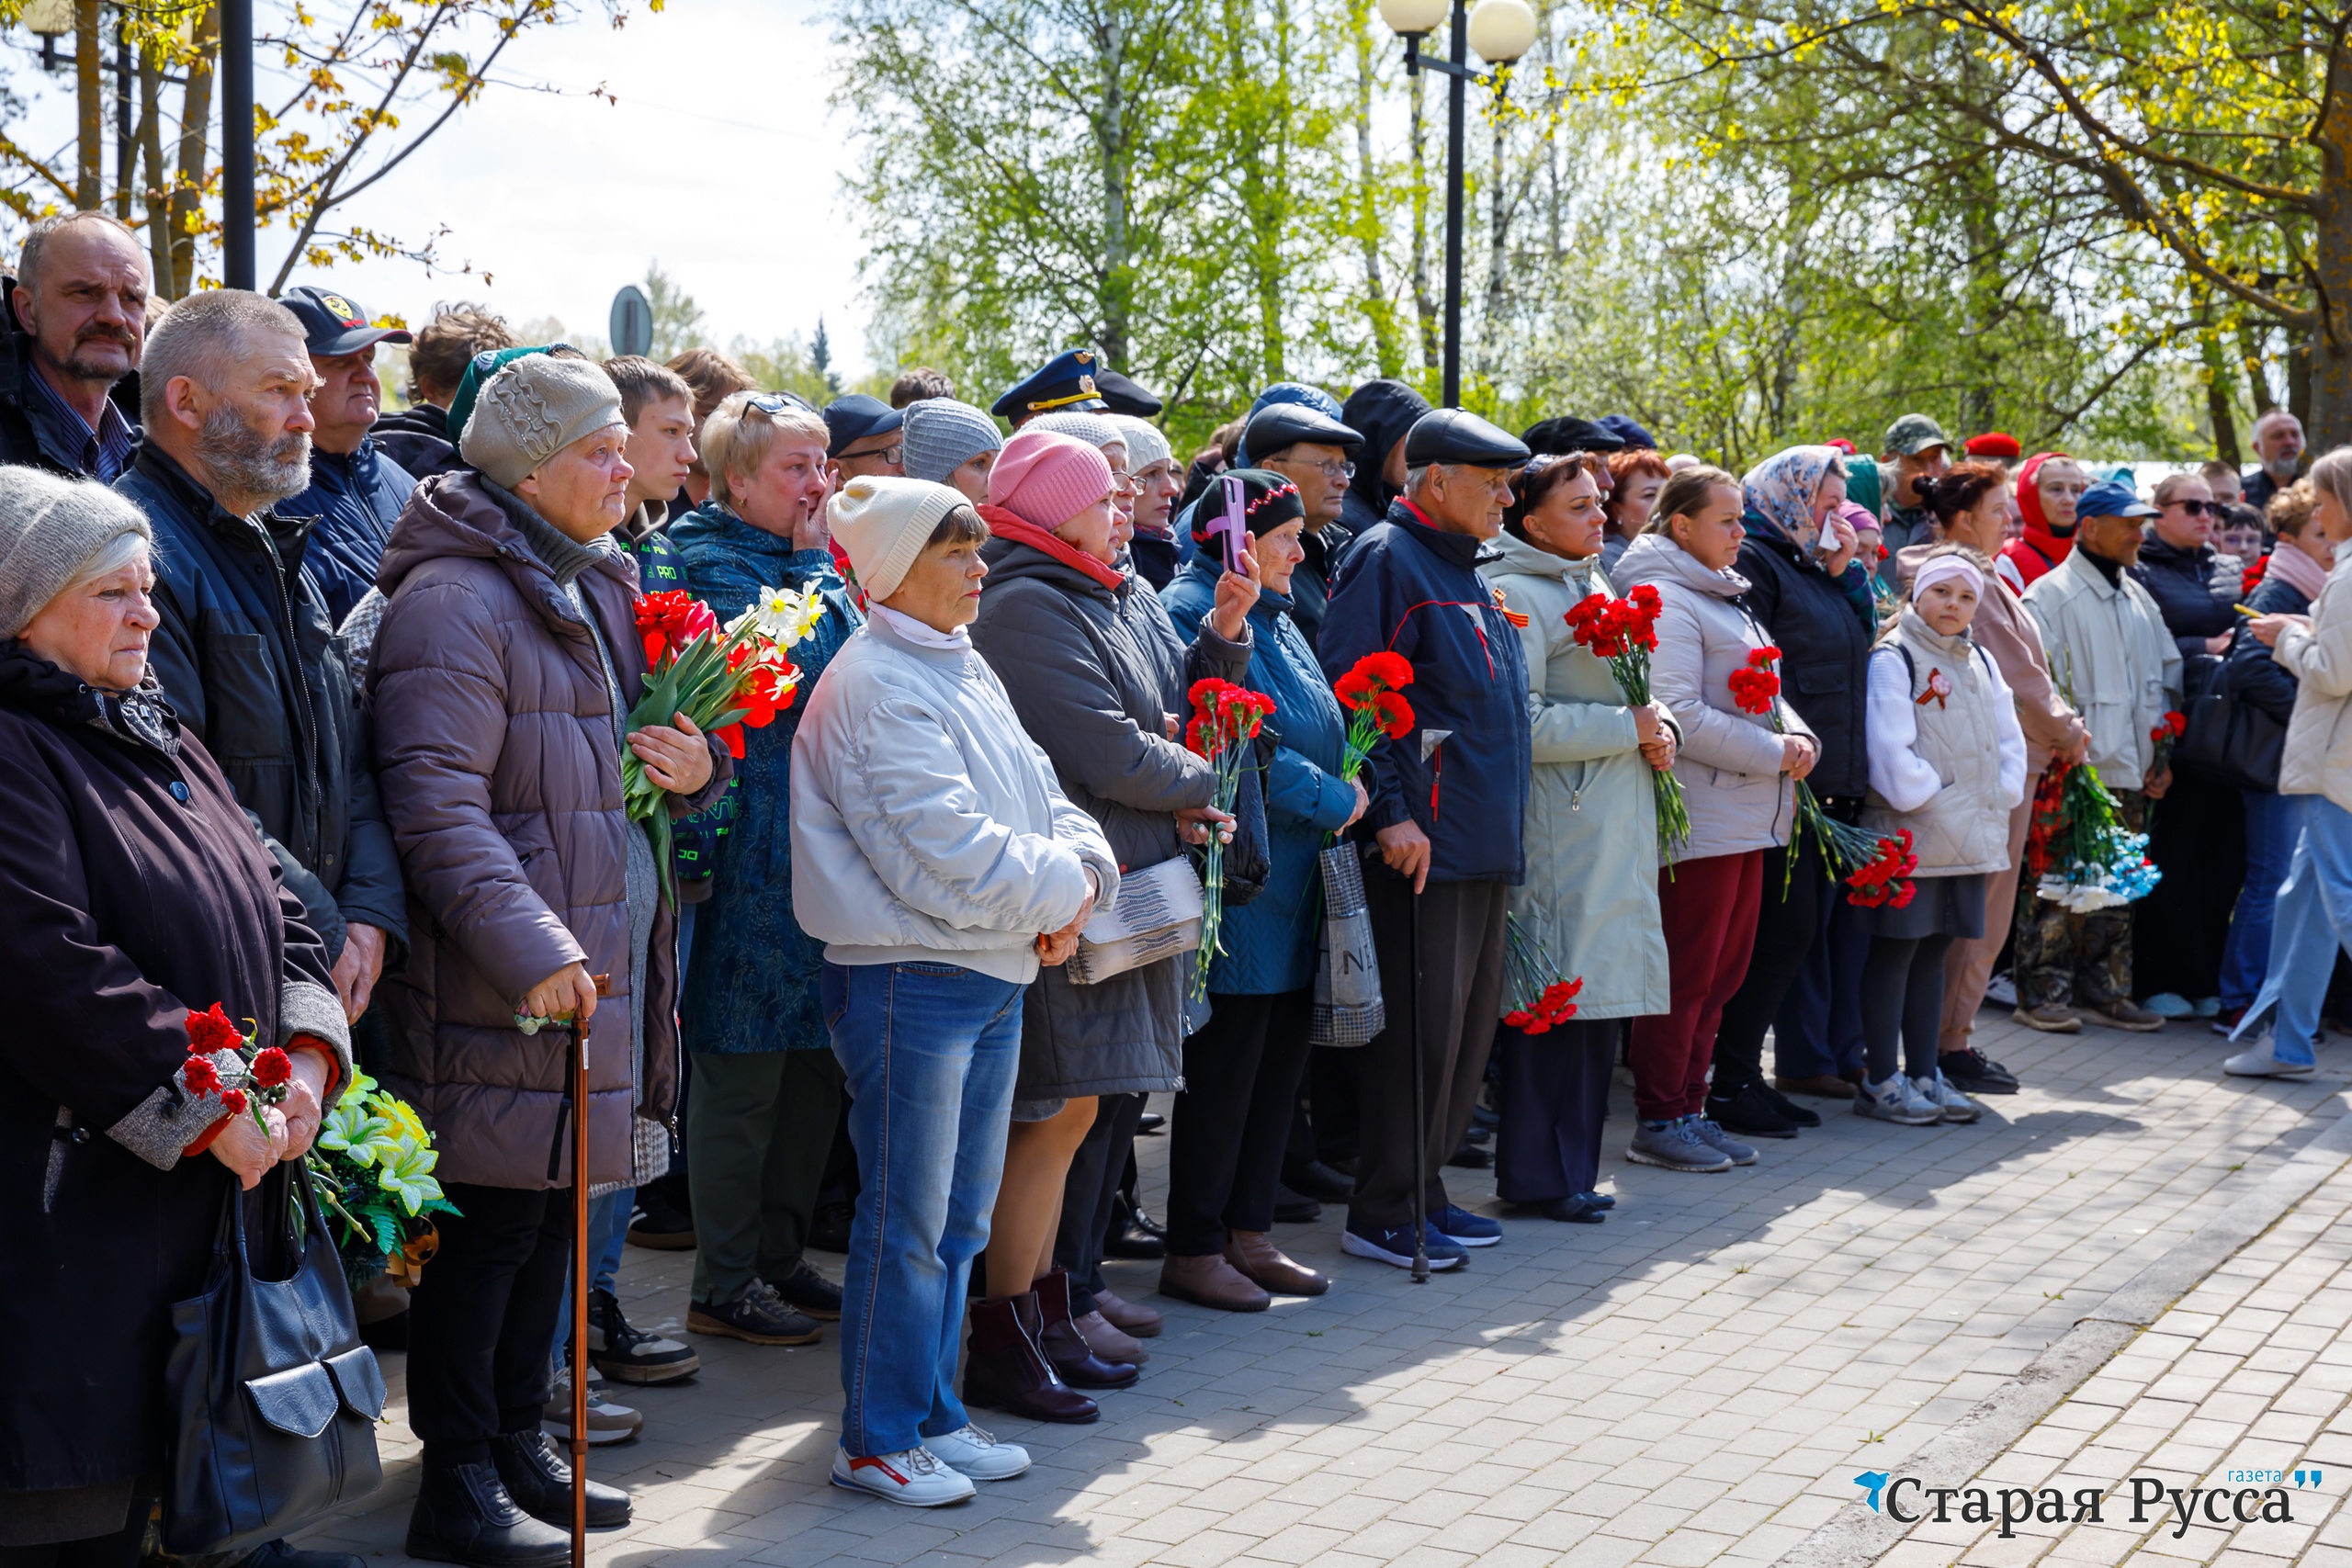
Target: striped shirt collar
x,y
103,453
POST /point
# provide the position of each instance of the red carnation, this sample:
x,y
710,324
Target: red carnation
x,y
1396,714
272,1067
210,1031
199,1076
232,1101
1393,670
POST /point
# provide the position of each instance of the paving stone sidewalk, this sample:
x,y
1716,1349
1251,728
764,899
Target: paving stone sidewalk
x,y
1697,1379
2248,1378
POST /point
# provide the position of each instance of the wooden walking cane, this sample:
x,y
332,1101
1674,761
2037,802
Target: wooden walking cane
x,y
603,984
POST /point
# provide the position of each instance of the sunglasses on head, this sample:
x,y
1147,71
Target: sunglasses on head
x,y
773,404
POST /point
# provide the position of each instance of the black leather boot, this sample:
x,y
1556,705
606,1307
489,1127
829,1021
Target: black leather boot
x,y
1066,1347
1006,1371
464,1514
540,1480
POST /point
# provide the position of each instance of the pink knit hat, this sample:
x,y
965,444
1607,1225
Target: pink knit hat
x,y
1046,479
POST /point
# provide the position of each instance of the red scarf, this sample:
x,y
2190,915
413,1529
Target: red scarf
x,y
2039,550
1021,531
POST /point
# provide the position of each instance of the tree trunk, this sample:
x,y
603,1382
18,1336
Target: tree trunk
x,y
2329,424
1379,311
1117,295
157,183
196,121
2254,358
1423,300
2217,403
89,101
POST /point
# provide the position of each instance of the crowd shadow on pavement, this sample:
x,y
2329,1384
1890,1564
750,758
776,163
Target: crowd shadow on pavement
x,y
733,1465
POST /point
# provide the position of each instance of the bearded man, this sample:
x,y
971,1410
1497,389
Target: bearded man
x,y
246,652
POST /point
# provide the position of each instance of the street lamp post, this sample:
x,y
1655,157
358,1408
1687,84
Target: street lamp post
x,y
237,144
1501,31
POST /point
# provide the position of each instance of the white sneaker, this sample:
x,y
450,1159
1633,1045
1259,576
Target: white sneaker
x,y
914,1477
1956,1106
607,1421
978,1454
1897,1099
2260,1063
2001,991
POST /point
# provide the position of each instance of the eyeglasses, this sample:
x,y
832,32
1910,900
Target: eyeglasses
x,y
1124,485
890,454
1339,473
775,403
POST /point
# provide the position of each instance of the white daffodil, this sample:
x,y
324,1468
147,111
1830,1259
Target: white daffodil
x,y
784,616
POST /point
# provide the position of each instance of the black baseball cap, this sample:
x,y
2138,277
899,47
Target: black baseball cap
x,y
852,419
332,324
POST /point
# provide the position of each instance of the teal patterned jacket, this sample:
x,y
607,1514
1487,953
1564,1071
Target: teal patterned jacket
x,y
752,984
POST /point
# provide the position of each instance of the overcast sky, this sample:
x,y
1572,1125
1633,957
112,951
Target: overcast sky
x,y
718,160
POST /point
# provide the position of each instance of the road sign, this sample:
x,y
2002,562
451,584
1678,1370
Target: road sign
x,y
632,322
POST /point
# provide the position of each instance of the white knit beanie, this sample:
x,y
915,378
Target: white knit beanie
x,y
884,522
532,409
1147,442
941,435
1096,430
50,528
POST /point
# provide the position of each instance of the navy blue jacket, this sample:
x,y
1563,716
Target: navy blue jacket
x,y
246,656
754,971
1408,588
2264,682
357,497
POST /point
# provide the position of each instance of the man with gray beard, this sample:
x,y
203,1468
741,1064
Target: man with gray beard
x,y
245,651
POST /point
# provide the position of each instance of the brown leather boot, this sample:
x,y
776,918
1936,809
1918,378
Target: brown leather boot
x,y
1129,1318
1066,1347
1254,1253
1209,1281
1006,1371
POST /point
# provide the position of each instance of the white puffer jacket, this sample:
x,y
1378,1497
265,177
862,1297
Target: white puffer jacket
x,y
1729,763
1947,754
926,826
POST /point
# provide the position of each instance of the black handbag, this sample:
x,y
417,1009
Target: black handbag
x,y
271,1400
2227,737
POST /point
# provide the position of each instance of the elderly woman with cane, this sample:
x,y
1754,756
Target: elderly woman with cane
x,y
504,674
120,840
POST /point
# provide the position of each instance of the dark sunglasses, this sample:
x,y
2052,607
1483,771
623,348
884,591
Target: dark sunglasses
x,y
2201,508
775,403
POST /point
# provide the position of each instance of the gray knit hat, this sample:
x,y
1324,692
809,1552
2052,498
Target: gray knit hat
x,y
532,409
1147,443
941,435
50,529
1096,430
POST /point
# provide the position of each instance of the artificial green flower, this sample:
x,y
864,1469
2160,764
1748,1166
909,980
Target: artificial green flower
x,y
406,1172
350,1131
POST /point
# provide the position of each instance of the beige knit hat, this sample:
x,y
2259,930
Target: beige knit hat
x,y
50,529
532,409
884,522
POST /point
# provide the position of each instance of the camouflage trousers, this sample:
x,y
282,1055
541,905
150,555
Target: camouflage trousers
x,y
2062,958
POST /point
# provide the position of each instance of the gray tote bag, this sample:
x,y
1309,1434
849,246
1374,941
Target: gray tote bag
x,y
1348,1008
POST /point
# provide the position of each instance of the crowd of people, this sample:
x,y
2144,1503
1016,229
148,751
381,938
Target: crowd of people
x,y
321,712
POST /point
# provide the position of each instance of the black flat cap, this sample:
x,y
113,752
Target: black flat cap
x,y
1122,394
1558,437
854,418
1279,427
1457,436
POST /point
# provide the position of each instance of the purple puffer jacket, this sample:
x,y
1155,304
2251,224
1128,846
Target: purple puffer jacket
x,y
495,754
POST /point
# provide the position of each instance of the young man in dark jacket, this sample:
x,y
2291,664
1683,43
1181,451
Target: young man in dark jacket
x,y
356,491
1382,412
418,437
1448,808
69,355
244,651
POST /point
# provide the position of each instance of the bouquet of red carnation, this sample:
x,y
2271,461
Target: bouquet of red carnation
x,y
721,678
1623,634
1226,719
1370,694
1845,849
1541,1001
2169,729
261,1077
1885,877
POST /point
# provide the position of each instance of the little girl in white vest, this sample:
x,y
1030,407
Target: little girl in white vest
x,y
1947,762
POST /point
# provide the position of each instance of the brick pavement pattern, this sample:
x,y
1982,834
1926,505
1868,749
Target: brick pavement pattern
x,y
2252,1371
1699,1379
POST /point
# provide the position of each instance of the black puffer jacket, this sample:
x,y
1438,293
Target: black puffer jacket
x,y
2182,583
1825,655
417,438
247,657
1380,411
2263,680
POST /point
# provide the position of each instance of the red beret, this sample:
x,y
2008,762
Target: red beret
x,y
1994,444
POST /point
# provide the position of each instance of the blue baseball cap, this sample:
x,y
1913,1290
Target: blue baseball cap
x,y
333,325
849,419
2110,498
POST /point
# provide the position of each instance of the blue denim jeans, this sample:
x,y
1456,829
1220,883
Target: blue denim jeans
x,y
929,1053
607,1228
2271,822
2312,919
